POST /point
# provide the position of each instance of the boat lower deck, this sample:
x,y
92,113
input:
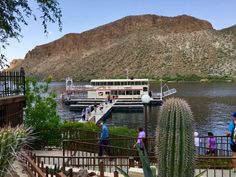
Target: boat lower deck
x,y
120,104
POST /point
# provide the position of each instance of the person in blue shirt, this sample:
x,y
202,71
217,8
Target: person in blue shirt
x,y
104,140
232,133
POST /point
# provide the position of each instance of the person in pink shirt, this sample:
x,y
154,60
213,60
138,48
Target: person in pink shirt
x,y
140,144
211,144
141,136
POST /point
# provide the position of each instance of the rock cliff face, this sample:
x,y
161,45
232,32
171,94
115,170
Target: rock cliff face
x,y
15,63
147,45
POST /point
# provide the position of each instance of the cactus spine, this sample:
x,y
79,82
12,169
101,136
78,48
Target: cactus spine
x,y
11,142
175,141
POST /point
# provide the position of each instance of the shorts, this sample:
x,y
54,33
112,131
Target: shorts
x,y
233,147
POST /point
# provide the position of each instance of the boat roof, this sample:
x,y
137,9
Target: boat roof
x,y
116,80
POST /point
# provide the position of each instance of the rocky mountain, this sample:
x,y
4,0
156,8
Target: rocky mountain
x,y
147,45
15,63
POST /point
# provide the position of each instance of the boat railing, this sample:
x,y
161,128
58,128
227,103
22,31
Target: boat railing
x,y
78,87
169,92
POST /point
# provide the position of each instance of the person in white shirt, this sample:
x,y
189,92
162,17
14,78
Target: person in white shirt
x,y
196,142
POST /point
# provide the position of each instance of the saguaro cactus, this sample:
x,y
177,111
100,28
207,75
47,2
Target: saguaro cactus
x,y
11,142
175,141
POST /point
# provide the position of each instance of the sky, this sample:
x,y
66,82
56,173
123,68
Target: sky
x,y
81,15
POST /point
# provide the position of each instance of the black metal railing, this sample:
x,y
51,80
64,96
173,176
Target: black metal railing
x,y
222,146
12,83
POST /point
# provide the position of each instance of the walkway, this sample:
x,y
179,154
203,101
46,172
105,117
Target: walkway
x,y
46,155
99,113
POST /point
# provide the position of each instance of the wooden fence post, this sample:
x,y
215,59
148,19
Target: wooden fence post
x,y
101,168
70,172
115,174
42,165
131,162
47,170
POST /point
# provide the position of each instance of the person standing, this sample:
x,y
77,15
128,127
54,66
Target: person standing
x,y
140,143
104,140
197,142
232,133
140,140
95,108
211,144
83,114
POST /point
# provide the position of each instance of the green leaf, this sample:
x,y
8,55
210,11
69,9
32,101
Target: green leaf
x,y
122,172
200,174
145,163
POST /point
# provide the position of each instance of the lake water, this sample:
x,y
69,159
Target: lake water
x,y
212,105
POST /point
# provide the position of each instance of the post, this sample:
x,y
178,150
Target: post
x,y
47,170
161,91
146,132
101,168
131,162
70,172
115,174
145,100
63,150
22,75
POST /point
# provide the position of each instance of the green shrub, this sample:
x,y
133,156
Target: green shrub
x,y
84,131
40,112
12,140
123,131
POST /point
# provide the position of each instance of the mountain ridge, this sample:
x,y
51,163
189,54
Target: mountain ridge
x,y
147,45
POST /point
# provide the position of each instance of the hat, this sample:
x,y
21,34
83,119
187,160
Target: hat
x,y
234,114
195,134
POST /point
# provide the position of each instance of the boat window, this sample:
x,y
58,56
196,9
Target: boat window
x,y
121,92
130,83
136,92
128,92
110,83
145,89
123,83
114,92
117,83
137,83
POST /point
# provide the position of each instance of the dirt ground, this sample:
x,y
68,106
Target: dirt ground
x,y
17,170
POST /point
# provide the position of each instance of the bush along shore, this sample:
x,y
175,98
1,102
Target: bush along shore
x,y
53,136
194,78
